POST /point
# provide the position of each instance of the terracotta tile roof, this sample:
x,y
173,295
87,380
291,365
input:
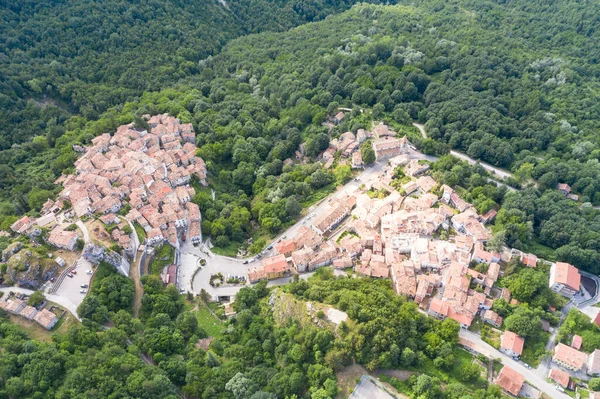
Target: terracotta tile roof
x,y
570,356
512,341
576,343
510,381
567,274
560,377
275,264
285,246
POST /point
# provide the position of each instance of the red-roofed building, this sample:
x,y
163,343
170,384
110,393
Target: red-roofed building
x,y
491,317
511,344
576,342
511,381
564,188
276,267
569,358
529,260
564,279
286,247
562,378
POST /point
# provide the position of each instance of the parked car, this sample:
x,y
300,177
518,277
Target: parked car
x,y
53,279
69,275
89,272
83,291
245,262
74,271
84,285
270,247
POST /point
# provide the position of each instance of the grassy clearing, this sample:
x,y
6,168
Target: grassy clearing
x,y
212,325
141,233
164,256
461,358
39,333
490,335
230,250
542,251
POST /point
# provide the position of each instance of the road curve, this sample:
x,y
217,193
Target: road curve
x,y
501,173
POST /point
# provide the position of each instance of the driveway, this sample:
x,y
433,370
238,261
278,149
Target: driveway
x,y
530,375
62,301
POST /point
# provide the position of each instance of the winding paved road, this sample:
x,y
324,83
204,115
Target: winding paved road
x,y
501,173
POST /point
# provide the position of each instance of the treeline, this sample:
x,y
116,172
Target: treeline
x,y
82,57
254,103
255,356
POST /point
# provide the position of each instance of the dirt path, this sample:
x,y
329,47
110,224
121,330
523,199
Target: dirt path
x,y
134,273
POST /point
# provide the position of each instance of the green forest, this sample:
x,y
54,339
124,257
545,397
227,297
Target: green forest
x,y
258,355
481,76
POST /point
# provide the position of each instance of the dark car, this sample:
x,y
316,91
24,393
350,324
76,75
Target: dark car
x,y
69,275
53,279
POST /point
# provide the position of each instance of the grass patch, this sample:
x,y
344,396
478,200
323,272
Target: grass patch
x,y
230,250
210,324
542,251
400,386
141,233
497,366
164,256
490,335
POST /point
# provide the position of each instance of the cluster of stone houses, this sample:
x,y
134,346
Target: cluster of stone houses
x,y
566,359
385,144
149,170
18,307
395,237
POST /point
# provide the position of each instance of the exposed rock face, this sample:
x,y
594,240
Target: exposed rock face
x,y
26,269
11,250
97,253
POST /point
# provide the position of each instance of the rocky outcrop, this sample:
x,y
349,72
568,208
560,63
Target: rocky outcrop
x,y
97,253
27,269
11,250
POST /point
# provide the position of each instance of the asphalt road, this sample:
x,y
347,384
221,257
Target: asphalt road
x,y
501,173
60,300
530,375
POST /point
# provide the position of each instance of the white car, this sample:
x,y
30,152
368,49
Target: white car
x,y
83,291
89,272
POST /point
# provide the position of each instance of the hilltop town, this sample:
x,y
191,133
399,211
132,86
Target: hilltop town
x,y
393,221
432,244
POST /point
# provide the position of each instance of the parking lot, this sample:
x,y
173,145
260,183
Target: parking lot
x,y
71,286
